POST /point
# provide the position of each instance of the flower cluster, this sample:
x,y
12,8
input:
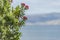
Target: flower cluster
x,y
25,6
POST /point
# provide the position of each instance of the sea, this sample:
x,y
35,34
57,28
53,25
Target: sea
x,y
41,32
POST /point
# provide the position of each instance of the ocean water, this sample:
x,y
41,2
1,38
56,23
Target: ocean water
x,y
41,32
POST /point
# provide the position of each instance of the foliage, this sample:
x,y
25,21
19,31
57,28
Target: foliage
x,y
11,20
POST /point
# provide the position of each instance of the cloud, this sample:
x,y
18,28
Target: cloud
x,y
55,3
42,6
52,22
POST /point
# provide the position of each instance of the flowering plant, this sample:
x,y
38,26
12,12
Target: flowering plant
x,y
11,20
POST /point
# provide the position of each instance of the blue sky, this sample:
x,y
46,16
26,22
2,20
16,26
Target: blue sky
x,y
41,6
43,20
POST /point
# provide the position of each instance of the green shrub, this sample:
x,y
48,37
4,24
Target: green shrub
x,y
11,20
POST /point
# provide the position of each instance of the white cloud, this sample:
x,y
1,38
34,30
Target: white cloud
x,y
55,3
42,6
52,22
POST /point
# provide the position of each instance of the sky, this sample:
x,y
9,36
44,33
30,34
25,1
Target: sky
x,y
40,6
45,25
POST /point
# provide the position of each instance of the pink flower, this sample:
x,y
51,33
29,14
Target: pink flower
x,y
26,7
24,18
23,4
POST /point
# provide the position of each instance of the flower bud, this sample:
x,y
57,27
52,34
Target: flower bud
x,y
24,18
26,7
22,4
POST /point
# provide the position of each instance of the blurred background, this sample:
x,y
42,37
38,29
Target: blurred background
x,y
43,20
